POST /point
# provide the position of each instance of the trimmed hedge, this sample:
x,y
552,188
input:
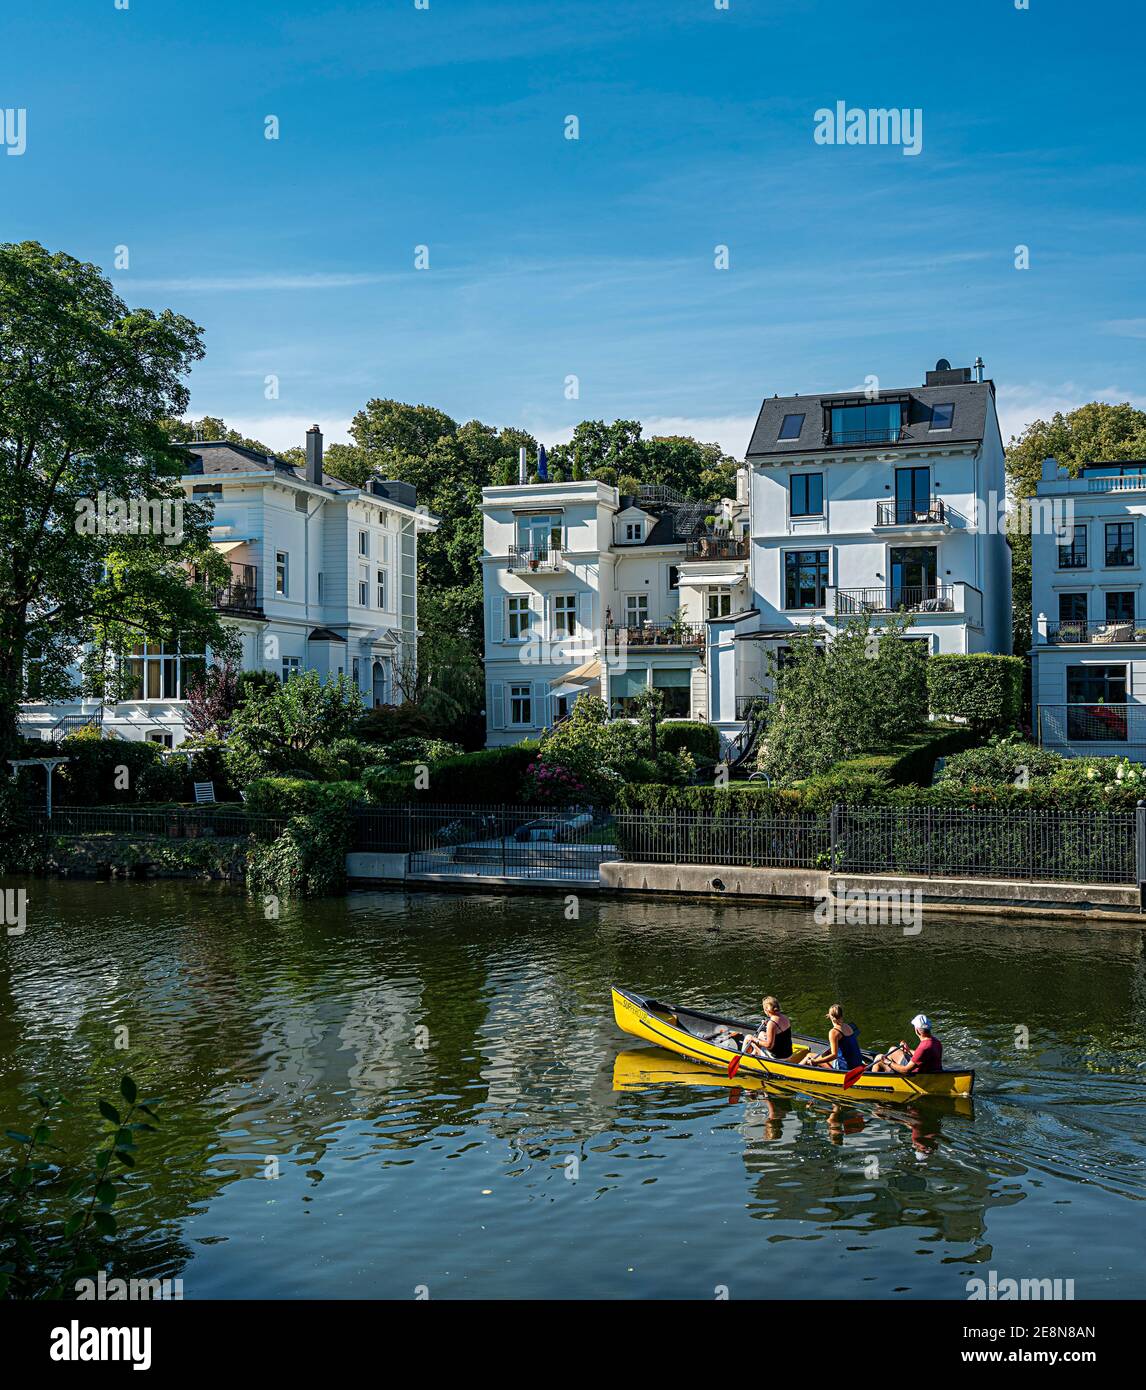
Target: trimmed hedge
x,y
692,736
984,690
491,776
911,761
294,796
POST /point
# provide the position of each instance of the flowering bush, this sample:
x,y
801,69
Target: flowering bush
x,y
550,783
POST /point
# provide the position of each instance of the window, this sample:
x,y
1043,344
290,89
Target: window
x,y
625,688
364,543
634,530
791,427
207,490
282,577
636,610
363,587
1073,556
152,671
805,578
674,578
719,603
866,424
1119,544
675,687
1072,608
157,736
807,494
1095,698
320,586
519,616
291,668
1120,608
565,614
942,416
356,670
380,584
520,704
539,533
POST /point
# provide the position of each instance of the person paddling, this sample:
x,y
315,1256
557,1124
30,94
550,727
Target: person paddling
x,y
774,1039
843,1052
928,1056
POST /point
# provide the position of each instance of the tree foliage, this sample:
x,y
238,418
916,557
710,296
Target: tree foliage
x,y
280,729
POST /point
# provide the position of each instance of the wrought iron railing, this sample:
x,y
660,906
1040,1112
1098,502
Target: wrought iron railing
x,y
240,593
535,557
1074,630
910,598
900,513
656,635
717,548
885,434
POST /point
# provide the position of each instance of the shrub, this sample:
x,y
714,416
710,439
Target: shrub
x,y
203,759
103,771
984,690
287,727
292,796
411,750
386,723
693,736
490,775
307,860
999,762
911,760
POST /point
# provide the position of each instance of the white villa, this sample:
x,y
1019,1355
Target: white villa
x,y
323,578
1088,645
587,591
851,503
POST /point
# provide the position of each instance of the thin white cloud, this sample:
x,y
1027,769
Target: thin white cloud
x,y
1020,405
317,280
1125,328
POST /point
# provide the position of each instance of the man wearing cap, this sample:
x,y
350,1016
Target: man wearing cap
x,y
928,1056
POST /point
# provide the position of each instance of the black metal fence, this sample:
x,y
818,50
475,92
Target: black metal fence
x,y
684,837
175,823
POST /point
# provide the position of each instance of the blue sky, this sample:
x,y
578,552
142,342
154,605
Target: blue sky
x,y
444,127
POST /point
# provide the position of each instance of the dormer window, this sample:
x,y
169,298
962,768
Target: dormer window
x,y
791,427
943,416
634,530
876,423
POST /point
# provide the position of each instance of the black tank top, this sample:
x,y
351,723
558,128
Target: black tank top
x,y
781,1042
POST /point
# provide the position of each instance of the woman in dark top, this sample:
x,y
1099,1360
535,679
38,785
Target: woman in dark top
x,y
843,1052
775,1036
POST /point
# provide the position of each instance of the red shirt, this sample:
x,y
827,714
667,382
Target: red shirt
x,y
928,1056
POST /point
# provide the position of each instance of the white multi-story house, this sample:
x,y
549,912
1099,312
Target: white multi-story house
x,y
587,591
323,578
1088,649
865,503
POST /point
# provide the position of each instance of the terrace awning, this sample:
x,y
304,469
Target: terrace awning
x,y
583,674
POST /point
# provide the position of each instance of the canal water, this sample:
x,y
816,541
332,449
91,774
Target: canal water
x,y
439,1086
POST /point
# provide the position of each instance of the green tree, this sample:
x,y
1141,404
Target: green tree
x,y
1094,433
212,428
852,695
85,384
280,728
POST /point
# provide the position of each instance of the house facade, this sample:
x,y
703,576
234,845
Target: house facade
x,y
1088,644
323,578
588,591
873,503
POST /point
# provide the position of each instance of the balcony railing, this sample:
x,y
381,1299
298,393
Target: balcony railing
x,y
1080,631
751,706
1128,482
717,548
898,513
919,598
240,593
885,434
535,558
656,635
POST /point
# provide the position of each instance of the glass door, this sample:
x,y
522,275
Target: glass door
x,y
912,495
914,575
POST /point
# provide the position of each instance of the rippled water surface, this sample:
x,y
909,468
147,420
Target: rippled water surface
x,y
451,1105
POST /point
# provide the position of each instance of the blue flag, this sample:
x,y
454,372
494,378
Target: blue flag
x,y
542,464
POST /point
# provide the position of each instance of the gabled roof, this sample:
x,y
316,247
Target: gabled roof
x,y
972,400
213,456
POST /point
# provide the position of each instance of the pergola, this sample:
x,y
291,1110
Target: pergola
x,y
48,764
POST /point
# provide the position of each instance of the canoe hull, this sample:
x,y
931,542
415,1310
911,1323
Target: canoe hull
x,y
661,1024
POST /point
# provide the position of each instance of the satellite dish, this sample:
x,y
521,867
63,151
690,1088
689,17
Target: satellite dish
x,y
943,365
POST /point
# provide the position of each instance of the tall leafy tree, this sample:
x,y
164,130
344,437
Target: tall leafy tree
x,y
85,384
1094,433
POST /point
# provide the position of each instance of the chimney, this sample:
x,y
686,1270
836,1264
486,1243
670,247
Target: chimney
x,y
522,467
979,364
314,455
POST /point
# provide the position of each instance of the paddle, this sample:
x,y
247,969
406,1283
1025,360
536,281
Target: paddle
x,y
734,1065
854,1075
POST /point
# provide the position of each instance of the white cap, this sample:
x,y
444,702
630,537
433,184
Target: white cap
x,y
921,1021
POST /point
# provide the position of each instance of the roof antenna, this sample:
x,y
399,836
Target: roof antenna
x,y
978,365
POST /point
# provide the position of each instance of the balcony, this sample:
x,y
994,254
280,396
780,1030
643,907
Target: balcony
x,y
689,636
241,592
535,559
1126,482
717,548
883,434
910,515
1083,633
962,600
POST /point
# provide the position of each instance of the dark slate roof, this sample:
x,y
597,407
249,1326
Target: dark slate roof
x,y
218,456
325,634
673,522
972,400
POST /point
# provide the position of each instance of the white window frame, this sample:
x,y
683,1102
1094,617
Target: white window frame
x,y
364,543
282,573
521,696
639,602
565,615
364,586
380,587
291,667
634,530
722,597
519,615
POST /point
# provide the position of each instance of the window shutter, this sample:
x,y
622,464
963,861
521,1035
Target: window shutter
x,y
541,704
497,619
496,705
584,613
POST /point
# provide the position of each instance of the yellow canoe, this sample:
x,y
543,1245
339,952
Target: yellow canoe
x,y
683,1031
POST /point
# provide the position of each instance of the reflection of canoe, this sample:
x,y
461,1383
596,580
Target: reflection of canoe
x,y
683,1031
639,1068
